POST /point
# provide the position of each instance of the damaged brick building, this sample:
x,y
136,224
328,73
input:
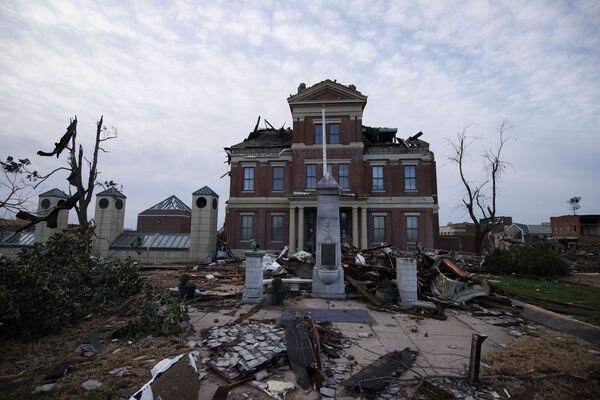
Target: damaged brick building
x,y
388,187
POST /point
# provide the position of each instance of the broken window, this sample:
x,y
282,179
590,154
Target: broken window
x,y
378,177
344,176
410,177
277,228
248,184
379,228
412,228
277,183
334,133
311,176
247,221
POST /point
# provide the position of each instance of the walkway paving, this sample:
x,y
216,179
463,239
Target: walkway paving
x,y
443,346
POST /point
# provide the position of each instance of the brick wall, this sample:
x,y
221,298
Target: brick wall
x,y
163,224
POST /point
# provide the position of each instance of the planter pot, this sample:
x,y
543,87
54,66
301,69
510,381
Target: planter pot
x,y
387,295
276,298
187,292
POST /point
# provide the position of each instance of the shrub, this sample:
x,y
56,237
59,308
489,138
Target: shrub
x,y
56,284
529,260
276,286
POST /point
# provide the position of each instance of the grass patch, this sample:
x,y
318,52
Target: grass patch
x,y
580,301
546,353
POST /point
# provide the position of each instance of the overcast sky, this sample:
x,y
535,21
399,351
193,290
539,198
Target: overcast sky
x,y
180,81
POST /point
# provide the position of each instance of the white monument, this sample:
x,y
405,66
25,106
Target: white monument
x,y
328,275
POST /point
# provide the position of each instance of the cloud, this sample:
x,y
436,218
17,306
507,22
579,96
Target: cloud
x,y
181,80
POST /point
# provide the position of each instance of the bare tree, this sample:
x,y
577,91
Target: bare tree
x,y
18,183
76,164
480,197
83,177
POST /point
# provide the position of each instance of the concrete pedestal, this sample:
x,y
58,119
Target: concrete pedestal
x,y
406,279
328,275
253,285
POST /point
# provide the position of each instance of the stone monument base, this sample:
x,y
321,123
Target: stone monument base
x,y
334,290
253,285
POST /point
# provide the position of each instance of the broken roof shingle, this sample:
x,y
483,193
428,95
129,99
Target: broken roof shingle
x,y
266,138
169,206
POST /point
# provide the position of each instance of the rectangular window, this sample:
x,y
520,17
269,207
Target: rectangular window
x,y
334,133
344,176
410,177
248,185
311,176
277,228
377,177
277,183
412,228
379,228
318,134
247,227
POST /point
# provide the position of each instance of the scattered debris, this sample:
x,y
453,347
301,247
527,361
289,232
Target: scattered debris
x,y
172,378
59,370
91,384
379,374
244,348
48,387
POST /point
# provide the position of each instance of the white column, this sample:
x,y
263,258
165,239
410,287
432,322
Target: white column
x,y
300,228
292,241
363,228
355,237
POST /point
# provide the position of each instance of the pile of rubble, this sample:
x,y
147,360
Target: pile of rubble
x,y
242,349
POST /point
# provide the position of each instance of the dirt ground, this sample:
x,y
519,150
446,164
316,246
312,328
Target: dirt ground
x,y
544,352
35,359
584,278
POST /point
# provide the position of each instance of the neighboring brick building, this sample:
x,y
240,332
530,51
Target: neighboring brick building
x,y
458,237
388,185
169,216
582,229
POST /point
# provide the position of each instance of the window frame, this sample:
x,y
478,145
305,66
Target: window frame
x,y
410,180
379,231
247,182
277,236
378,182
412,232
246,232
331,135
276,179
313,178
318,138
344,177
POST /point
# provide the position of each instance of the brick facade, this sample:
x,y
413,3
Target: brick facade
x,y
355,151
163,223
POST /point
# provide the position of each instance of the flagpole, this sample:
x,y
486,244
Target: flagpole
x,y
324,140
